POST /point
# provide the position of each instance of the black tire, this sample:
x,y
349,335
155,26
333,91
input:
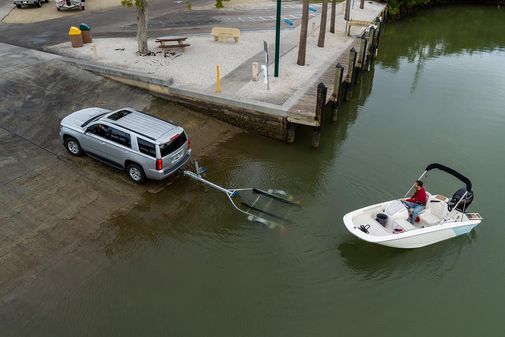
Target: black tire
x,y
135,173
38,4
73,146
18,6
58,8
46,1
82,8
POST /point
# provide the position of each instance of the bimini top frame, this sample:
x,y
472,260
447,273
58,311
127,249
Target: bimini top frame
x,y
452,172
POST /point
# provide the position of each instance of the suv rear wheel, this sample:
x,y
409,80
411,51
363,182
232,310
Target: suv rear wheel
x,y
38,4
135,173
73,146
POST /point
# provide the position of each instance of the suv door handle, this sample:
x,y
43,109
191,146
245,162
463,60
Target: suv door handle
x,y
103,143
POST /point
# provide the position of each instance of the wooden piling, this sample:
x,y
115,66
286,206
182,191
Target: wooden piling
x,y
316,136
337,91
371,50
379,31
362,53
350,72
320,107
351,66
321,102
291,133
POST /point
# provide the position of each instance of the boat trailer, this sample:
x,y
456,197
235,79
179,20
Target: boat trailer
x,y
262,208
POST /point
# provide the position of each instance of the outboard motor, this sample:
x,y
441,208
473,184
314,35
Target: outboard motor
x,y
464,204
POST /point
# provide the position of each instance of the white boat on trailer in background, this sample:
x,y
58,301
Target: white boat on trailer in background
x,y
386,223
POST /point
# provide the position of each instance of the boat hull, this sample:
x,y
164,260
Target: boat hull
x,y
410,239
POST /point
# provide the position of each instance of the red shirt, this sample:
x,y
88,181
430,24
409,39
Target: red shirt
x,y
419,197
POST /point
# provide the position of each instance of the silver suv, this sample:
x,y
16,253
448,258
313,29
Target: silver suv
x,y
143,145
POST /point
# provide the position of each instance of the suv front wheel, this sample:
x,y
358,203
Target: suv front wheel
x,y
73,146
135,173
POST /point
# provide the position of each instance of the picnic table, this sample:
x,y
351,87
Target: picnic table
x,y
172,42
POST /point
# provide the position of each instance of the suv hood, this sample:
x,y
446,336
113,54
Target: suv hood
x,y
76,119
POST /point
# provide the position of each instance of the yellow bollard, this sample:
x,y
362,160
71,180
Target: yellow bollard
x,y
218,79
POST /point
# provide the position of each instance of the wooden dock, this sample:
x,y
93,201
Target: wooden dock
x,y
308,110
304,110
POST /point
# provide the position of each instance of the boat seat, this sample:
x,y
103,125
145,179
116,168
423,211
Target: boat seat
x,y
406,225
434,213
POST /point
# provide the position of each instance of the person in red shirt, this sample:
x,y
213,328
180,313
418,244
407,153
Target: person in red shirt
x,y
417,202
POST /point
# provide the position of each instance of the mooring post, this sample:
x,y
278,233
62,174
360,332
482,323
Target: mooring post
x,y
350,72
379,31
337,92
376,41
291,133
320,107
371,50
362,4
321,102
316,136
352,64
362,53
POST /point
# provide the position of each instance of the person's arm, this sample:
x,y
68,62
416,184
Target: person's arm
x,y
414,198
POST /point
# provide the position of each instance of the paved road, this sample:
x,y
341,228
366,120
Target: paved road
x,y
167,17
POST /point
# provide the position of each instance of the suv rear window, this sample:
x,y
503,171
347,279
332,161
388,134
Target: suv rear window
x,y
146,148
173,145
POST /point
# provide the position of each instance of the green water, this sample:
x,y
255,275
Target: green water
x,y
435,94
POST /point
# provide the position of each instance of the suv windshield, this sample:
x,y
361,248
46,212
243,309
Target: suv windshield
x,y
168,148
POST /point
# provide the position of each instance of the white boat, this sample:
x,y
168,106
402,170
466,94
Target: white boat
x,y
443,218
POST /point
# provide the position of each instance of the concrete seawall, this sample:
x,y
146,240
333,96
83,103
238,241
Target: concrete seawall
x,y
263,118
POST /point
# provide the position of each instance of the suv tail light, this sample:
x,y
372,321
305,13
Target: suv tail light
x,y
189,143
159,164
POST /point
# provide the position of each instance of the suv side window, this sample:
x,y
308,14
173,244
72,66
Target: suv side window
x,y
99,129
119,137
146,147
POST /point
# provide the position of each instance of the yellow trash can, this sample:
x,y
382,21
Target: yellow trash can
x,y
75,36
